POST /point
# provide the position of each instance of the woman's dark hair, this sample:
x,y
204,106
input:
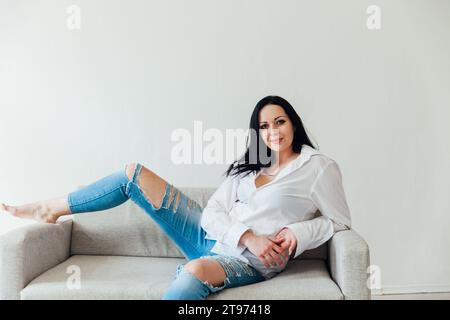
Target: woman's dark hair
x,y
254,151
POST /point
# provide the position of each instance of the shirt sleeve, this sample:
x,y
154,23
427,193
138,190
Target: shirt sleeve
x,y
327,193
216,220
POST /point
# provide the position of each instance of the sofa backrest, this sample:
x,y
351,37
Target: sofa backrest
x,y
127,230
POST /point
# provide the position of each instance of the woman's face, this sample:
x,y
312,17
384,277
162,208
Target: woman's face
x,y
274,124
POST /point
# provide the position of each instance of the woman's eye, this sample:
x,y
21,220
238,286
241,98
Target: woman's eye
x,y
279,122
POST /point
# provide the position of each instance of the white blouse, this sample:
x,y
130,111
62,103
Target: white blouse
x,y
306,196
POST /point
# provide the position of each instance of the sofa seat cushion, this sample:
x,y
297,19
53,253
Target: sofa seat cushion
x,y
301,280
125,277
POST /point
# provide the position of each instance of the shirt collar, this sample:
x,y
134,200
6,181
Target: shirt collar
x,y
306,153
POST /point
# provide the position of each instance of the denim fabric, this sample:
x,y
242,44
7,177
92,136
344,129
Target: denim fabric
x,y
188,287
179,217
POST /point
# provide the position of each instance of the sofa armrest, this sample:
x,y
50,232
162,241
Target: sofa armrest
x,y
29,251
348,260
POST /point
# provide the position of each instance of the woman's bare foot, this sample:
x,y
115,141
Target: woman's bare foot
x,y
39,211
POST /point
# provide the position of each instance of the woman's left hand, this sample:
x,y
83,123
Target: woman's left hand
x,y
287,237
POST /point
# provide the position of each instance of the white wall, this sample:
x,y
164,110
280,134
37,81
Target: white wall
x,y
77,105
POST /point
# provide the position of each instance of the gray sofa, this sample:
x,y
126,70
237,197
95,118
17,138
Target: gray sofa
x,y
121,253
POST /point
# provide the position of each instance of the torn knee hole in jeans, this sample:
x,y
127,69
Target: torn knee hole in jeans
x,y
180,269
218,287
146,197
212,286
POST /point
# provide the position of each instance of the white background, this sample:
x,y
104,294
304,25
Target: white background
x,y
76,105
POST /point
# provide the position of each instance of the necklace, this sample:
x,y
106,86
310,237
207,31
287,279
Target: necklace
x,y
273,174
268,174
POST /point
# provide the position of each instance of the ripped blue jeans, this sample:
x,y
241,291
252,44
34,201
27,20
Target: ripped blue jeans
x,y
179,217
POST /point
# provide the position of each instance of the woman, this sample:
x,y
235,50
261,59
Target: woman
x,y
259,217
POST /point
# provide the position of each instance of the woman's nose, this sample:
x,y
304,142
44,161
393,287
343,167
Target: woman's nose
x,y
274,132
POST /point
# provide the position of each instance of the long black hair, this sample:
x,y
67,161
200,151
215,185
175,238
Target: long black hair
x,y
251,160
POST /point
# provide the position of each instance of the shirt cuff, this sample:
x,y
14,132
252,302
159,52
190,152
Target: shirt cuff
x,y
234,234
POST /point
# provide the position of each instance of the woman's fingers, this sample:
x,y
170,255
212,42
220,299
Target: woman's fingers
x,y
276,258
278,252
292,247
277,248
265,261
273,258
285,246
277,240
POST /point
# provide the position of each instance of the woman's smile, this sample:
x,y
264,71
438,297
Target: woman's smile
x,y
278,141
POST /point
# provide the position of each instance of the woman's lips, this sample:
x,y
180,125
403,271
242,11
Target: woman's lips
x,y
278,141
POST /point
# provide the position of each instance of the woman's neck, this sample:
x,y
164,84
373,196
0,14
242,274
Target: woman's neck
x,y
281,159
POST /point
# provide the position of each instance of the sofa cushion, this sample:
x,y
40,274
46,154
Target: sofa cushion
x,y
116,277
301,280
125,230
128,230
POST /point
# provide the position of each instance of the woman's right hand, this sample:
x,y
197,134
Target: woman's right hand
x,y
265,248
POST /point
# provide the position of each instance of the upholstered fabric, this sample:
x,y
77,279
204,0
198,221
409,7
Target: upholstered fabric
x,y
128,230
29,251
115,277
124,230
122,254
348,262
106,277
301,280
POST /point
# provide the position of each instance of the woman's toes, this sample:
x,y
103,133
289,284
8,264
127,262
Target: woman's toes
x,y
12,210
6,208
36,211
